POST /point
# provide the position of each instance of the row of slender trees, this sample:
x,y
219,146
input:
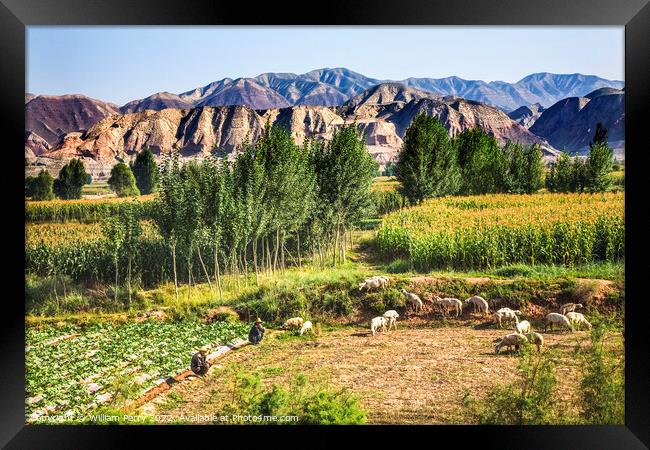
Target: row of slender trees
x,y
431,164
275,201
591,174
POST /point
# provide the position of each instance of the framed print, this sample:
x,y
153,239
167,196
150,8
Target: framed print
x,y
416,216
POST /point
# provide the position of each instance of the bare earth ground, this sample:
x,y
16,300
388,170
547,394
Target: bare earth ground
x,y
409,376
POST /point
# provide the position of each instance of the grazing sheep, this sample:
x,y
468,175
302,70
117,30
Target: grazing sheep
x,y
370,283
294,322
392,316
522,327
577,319
511,340
569,307
449,303
378,322
480,304
505,313
385,281
495,303
537,339
306,327
560,319
413,299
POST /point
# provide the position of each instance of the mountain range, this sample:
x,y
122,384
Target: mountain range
x,y
224,112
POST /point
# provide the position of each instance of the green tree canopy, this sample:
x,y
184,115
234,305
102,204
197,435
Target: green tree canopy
x,y
484,165
122,181
145,171
427,163
40,187
71,179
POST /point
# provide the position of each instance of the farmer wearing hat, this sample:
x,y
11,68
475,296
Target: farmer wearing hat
x,y
200,365
257,332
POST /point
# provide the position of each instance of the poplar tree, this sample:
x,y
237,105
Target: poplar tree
x,y
427,164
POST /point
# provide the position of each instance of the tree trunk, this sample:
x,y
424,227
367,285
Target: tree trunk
x,y
298,244
217,275
245,264
205,270
320,253
257,281
128,281
175,274
277,245
282,252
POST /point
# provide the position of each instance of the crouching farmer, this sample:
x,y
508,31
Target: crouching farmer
x,y
257,332
200,365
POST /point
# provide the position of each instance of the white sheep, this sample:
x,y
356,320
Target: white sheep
x,y
378,322
294,322
306,327
569,307
449,303
480,304
553,318
510,340
505,313
384,280
522,327
371,283
392,316
577,319
413,299
536,338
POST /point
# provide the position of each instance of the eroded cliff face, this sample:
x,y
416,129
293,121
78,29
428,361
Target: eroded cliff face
x,y
382,114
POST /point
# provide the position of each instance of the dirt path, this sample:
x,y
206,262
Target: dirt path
x,y
412,375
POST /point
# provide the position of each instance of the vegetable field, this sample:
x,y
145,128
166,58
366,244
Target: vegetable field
x,y
70,370
488,231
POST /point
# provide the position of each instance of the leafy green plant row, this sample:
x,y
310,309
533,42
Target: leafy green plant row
x,y
566,243
81,211
61,375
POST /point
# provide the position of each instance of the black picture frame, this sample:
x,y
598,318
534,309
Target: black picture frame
x,y
15,15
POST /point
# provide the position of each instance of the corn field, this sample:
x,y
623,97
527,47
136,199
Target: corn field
x,y
85,211
494,230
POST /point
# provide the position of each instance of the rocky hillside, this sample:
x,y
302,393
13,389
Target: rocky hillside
x,y
382,112
50,117
527,115
161,100
570,124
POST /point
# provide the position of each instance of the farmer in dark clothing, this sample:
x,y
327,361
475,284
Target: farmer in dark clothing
x,y
200,365
257,332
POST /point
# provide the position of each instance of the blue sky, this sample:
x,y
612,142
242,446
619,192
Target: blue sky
x,y
119,64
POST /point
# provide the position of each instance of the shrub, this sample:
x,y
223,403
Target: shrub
x,y
531,400
221,314
71,179
602,387
312,404
122,181
40,187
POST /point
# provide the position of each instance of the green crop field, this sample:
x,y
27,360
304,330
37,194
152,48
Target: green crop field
x,y
494,230
60,375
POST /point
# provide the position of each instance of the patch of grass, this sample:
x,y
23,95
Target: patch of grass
x,y
173,400
311,403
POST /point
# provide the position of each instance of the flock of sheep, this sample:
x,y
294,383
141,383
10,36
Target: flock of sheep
x,y
566,318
